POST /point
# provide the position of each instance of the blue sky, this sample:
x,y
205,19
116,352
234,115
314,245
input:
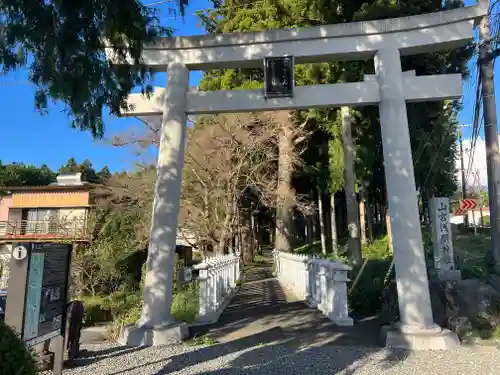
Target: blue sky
x,y
34,139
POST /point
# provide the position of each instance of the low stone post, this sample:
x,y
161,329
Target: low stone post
x,y
323,283
212,273
238,254
444,260
338,303
205,308
307,280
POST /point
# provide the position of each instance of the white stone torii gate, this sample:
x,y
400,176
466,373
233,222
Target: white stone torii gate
x,y
385,41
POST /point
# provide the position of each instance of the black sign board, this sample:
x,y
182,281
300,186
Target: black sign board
x,y
46,292
278,77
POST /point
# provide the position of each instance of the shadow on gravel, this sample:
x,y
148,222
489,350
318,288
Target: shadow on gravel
x,y
88,357
277,352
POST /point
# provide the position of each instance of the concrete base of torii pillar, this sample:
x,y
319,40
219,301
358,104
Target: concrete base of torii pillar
x,y
403,337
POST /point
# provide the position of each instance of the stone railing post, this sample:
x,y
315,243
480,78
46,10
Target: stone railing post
x,y
205,308
323,283
338,303
311,274
213,286
238,254
276,255
220,291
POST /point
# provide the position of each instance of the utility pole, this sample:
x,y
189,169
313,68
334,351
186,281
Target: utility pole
x,y
490,132
479,197
464,185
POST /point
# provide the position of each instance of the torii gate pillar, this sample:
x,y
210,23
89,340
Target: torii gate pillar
x,y
416,324
157,326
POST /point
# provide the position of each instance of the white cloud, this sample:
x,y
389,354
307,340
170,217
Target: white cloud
x,y
478,163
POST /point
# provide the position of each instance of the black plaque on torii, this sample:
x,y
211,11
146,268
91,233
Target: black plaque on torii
x,y
279,79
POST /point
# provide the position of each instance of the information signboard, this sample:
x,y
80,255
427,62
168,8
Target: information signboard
x,y
46,296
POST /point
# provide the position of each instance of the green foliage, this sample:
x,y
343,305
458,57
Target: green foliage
x,y
130,316
336,165
96,310
100,309
185,303
474,255
259,259
19,174
204,340
367,297
15,357
314,249
486,221
60,42
432,130
378,249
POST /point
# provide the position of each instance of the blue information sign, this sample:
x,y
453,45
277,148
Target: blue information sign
x,y
33,296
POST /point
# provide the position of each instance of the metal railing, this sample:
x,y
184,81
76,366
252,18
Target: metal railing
x,y
44,229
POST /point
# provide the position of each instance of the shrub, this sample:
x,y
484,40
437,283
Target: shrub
x,y
314,249
15,357
129,317
185,304
486,221
474,255
367,296
259,259
378,249
97,310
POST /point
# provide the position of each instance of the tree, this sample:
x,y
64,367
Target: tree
x,y
88,172
433,174
228,160
104,174
59,42
71,166
19,174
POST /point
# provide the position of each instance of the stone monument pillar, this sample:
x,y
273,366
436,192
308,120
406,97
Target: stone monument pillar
x,y
416,329
444,260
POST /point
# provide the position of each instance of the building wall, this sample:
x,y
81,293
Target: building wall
x,y
50,199
5,204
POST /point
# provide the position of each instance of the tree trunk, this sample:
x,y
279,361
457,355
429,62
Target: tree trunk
x,y
310,231
246,238
333,223
226,232
354,242
321,221
285,201
369,220
388,225
362,220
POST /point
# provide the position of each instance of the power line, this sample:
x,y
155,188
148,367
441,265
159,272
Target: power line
x,y
159,3
14,83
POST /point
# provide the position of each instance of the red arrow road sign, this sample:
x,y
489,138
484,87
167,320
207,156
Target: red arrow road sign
x,y
468,204
460,212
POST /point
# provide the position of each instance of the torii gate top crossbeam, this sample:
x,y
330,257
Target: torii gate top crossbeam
x,y
351,41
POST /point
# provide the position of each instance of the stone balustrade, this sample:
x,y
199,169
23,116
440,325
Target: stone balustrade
x,y
217,281
321,283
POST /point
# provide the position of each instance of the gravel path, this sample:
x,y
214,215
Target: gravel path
x,y
277,359
263,332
